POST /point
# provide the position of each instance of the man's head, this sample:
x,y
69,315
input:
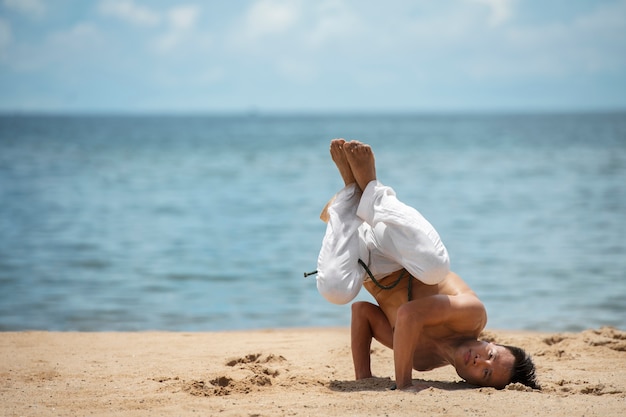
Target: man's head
x,y
523,368
490,365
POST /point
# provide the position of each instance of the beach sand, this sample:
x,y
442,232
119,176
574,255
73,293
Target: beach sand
x,y
290,372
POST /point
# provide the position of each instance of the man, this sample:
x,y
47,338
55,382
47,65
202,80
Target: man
x,y
426,313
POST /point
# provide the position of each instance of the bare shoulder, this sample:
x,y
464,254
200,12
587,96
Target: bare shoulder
x,y
453,284
452,305
444,316
467,310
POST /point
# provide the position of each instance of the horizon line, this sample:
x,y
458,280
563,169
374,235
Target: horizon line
x,y
253,112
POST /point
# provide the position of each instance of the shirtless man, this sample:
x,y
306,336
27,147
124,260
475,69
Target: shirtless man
x,y
430,317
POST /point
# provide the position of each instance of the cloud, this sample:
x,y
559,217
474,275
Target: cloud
x,y
275,24
183,17
592,42
176,24
81,35
128,11
295,40
181,21
407,51
334,20
500,10
31,8
269,17
71,50
77,48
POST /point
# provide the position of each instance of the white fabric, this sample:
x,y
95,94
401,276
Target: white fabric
x,y
385,233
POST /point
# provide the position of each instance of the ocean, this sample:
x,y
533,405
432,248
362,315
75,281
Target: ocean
x,y
202,223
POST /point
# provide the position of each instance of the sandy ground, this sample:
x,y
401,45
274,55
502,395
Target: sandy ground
x,y
289,372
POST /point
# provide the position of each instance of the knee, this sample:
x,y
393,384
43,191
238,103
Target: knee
x,y
360,310
364,313
405,315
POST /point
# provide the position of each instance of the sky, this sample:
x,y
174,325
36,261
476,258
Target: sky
x,y
324,56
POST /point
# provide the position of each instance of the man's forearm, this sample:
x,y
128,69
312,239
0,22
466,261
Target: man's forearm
x,y
405,337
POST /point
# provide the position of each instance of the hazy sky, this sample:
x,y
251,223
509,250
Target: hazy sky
x,y
316,55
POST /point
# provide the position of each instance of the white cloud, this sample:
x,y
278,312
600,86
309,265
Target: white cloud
x,y
500,11
81,34
182,22
76,48
590,43
270,17
183,17
129,11
468,39
167,42
405,45
333,21
272,25
297,39
176,24
32,8
69,50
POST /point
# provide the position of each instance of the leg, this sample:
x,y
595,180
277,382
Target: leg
x,y
368,321
339,158
362,163
340,277
402,233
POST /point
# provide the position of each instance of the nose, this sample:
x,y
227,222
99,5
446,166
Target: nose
x,y
478,360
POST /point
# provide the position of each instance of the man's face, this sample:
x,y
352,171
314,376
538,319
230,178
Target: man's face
x,y
484,364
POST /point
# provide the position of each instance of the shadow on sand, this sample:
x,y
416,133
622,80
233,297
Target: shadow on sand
x,y
385,384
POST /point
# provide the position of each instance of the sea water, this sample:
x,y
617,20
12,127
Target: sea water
x,y
208,222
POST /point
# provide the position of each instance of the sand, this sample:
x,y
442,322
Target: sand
x,y
291,372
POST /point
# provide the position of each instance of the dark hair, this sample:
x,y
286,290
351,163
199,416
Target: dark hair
x,y
523,368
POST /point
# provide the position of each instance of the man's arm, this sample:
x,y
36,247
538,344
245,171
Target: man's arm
x,y
368,321
463,313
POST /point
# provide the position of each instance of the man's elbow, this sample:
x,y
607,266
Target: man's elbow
x,y
406,315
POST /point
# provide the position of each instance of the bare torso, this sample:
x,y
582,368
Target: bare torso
x,y
432,337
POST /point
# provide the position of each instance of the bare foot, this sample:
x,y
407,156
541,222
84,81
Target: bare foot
x,y
339,158
362,163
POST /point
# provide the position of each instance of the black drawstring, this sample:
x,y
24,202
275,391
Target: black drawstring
x,y
378,284
387,287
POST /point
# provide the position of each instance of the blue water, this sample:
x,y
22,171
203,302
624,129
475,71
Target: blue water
x,y
207,223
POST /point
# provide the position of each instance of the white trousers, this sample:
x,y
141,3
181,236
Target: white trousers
x,y
383,232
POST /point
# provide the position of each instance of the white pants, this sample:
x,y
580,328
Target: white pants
x,y
384,233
